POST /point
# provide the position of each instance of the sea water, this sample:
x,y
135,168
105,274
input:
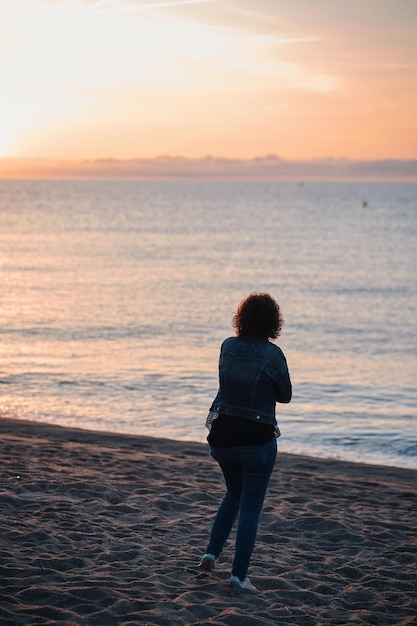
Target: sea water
x,y
116,295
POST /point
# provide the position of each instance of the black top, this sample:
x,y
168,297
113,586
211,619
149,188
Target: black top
x,y
228,431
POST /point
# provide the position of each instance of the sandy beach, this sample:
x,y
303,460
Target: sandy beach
x,y
108,529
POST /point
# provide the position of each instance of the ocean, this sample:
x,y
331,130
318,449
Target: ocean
x,y
116,296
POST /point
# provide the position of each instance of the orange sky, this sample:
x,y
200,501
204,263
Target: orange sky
x,y
233,78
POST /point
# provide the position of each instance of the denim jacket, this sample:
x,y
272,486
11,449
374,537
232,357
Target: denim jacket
x,y
253,376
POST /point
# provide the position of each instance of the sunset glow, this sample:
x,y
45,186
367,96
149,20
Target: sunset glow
x,y
125,79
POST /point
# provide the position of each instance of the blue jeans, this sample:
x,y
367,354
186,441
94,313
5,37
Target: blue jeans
x,y
246,470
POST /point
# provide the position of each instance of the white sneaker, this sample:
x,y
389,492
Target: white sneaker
x,y
208,563
236,583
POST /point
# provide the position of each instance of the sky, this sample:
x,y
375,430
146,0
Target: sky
x,y
236,79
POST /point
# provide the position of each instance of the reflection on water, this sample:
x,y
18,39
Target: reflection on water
x,y
115,297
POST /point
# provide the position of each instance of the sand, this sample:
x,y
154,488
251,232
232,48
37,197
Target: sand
x,y
108,529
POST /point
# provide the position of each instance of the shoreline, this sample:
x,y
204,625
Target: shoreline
x,y
107,528
58,431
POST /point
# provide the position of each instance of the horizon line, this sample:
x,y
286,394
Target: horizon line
x,y
269,167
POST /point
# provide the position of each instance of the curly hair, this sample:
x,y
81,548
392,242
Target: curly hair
x,y
258,315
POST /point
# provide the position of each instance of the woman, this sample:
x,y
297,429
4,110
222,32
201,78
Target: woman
x,y
253,376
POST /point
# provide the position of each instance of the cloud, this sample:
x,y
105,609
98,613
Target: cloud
x,y
269,167
146,6
126,78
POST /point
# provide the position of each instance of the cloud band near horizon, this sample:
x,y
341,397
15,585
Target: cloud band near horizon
x,y
267,168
